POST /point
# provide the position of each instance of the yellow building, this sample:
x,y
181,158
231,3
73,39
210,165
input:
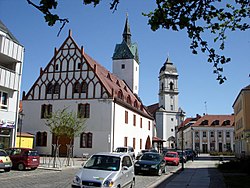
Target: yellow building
x,y
25,140
241,108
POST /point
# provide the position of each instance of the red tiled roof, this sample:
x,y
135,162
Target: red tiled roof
x,y
215,120
152,108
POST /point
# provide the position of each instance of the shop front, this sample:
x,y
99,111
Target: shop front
x,y
6,131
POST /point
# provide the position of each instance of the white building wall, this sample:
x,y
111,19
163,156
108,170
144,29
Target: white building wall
x,y
130,73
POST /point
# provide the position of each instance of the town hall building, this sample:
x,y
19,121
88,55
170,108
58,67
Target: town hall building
x,y
109,101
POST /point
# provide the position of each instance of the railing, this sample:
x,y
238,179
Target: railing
x,y
9,78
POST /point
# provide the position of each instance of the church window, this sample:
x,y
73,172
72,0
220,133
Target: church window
x,y
171,107
126,117
49,88
125,141
123,66
172,119
171,86
57,66
56,88
149,125
86,140
162,86
134,120
84,87
41,139
172,130
76,87
46,111
83,110
134,142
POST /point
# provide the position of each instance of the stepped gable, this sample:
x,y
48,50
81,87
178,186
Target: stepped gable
x,y
114,87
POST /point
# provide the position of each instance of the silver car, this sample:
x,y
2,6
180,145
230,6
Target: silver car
x,y
106,170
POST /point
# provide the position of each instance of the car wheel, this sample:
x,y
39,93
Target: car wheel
x,y
159,172
132,184
6,169
20,166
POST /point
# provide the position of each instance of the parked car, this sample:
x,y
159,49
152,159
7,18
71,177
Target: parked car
x,y
150,163
182,156
126,149
23,158
190,154
172,158
5,161
106,170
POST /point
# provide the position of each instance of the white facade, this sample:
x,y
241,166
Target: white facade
x,y
128,70
11,62
116,116
167,116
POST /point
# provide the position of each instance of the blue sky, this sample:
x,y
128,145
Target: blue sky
x,y
98,30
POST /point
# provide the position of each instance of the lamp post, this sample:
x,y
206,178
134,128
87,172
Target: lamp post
x,y
21,114
182,115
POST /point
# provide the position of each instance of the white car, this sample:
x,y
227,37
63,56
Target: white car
x,y
106,170
126,149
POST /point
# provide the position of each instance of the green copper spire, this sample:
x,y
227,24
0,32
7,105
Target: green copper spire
x,y
126,32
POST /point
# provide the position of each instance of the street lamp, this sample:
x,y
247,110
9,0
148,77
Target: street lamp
x,y
182,115
21,114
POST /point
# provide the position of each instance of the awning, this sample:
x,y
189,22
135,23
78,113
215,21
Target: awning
x,y
7,124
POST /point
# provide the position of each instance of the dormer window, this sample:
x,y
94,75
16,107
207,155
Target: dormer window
x,y
120,95
204,122
118,83
135,104
226,122
129,100
216,122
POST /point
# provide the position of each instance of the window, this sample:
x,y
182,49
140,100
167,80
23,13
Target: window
x,y
79,65
171,86
135,104
126,117
120,94
228,134
196,134
219,134
171,107
134,120
134,142
41,139
125,141
211,134
129,100
149,125
46,111
140,143
86,140
76,87
162,86
57,66
123,66
140,122
84,87
204,134
56,88
3,100
83,110
49,89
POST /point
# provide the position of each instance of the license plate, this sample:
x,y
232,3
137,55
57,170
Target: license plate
x,y
34,159
144,168
7,165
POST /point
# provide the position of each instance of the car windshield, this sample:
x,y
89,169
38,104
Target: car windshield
x,y
103,162
170,155
3,153
121,149
150,157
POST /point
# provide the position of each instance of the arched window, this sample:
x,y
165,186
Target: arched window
x,y
171,86
49,88
84,87
76,87
86,140
56,88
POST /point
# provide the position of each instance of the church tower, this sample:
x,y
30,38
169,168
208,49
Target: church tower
x,y
126,60
167,116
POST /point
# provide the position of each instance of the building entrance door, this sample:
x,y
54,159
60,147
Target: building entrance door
x,y
204,148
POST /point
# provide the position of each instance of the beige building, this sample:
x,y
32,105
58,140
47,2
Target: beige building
x,y
241,108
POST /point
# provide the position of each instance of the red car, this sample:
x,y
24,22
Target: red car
x,y
23,158
172,158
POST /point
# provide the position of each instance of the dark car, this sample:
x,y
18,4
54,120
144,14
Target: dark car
x,y
23,158
182,156
190,154
150,163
